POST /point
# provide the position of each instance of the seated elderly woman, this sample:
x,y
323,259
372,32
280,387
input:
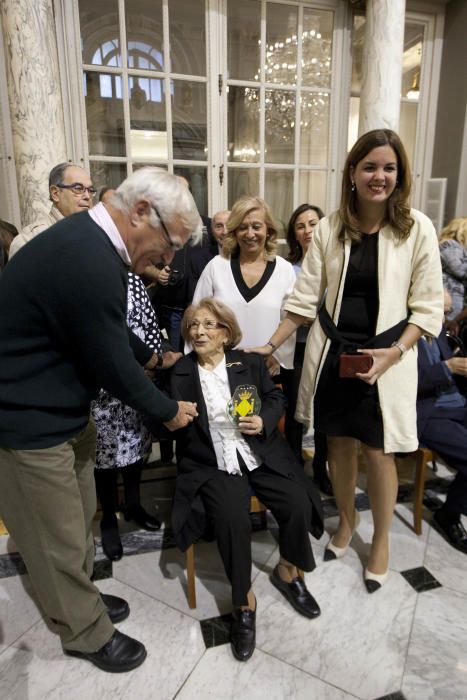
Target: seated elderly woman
x,y
231,448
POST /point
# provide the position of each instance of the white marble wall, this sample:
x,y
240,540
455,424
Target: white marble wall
x,y
35,99
382,65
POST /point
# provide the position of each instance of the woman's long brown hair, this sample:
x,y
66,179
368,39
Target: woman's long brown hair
x,y
398,208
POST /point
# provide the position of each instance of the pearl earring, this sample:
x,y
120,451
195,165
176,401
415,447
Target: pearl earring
x,y
353,187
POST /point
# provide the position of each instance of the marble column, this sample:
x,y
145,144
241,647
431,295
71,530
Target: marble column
x,y
35,99
382,65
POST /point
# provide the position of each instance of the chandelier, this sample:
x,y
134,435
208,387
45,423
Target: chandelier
x,y
281,69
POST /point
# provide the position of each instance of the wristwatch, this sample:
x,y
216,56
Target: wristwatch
x,y
402,348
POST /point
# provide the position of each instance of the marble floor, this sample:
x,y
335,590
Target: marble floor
x,y
408,641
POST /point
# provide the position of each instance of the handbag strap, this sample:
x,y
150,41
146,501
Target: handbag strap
x,y
382,340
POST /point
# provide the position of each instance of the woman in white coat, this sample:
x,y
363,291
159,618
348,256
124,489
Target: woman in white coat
x,y
250,278
372,277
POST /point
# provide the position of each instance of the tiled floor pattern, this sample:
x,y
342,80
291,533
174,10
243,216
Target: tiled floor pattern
x,y
406,642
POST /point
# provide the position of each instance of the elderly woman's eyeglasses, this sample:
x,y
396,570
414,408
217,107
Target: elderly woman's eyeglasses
x,y
208,325
172,244
78,188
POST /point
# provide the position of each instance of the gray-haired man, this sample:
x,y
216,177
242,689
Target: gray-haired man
x,y
63,336
70,191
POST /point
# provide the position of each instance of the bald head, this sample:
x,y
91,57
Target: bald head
x,y
219,225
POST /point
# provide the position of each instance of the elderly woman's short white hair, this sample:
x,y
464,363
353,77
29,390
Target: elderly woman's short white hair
x,y
167,192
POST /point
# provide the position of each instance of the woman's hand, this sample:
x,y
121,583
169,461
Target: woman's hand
x,y
273,366
264,350
156,275
383,359
451,327
251,425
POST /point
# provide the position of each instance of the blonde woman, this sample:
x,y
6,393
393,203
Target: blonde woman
x,y
250,278
453,249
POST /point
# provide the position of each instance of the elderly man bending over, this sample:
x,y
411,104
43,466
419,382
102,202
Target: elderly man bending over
x,y
63,336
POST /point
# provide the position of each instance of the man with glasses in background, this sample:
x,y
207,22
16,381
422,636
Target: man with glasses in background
x,y
63,336
70,191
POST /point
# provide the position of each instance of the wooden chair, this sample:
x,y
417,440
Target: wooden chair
x,y
255,507
422,456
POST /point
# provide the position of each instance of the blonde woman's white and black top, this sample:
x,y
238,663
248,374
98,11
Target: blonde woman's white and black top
x,y
259,308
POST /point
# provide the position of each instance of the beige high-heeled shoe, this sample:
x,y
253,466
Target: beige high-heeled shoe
x,y
332,551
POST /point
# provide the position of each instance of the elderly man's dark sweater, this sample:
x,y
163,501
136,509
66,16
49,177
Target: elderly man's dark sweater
x,y
63,336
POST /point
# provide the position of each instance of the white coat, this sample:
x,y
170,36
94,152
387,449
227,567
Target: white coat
x,y
409,283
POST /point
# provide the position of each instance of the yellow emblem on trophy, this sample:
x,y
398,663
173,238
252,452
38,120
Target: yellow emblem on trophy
x,y
244,402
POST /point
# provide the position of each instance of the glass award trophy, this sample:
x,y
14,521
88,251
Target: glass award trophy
x,y
244,402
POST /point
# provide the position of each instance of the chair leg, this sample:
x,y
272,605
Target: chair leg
x,y
190,576
422,458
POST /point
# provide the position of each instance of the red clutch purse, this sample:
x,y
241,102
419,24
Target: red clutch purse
x,y
349,365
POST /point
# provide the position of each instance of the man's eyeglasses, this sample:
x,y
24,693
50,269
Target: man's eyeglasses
x,y
208,325
78,189
172,244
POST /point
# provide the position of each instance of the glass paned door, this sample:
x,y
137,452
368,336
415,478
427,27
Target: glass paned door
x,y
145,88
280,58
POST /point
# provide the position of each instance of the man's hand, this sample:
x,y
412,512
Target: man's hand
x,y
169,358
251,425
151,364
185,415
457,365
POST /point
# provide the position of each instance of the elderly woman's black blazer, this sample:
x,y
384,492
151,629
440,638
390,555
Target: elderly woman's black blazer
x,y
196,458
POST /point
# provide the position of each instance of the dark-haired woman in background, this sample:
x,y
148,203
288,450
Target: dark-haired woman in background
x,y
299,234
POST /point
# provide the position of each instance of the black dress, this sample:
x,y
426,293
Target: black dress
x,y
350,407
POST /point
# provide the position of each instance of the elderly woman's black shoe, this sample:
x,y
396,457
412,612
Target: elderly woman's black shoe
x,y
297,594
243,634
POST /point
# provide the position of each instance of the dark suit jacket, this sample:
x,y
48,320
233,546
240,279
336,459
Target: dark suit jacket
x,y
196,457
432,380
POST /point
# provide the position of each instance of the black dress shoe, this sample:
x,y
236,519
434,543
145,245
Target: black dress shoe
x,y
141,518
243,634
121,653
111,543
117,608
297,594
452,530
